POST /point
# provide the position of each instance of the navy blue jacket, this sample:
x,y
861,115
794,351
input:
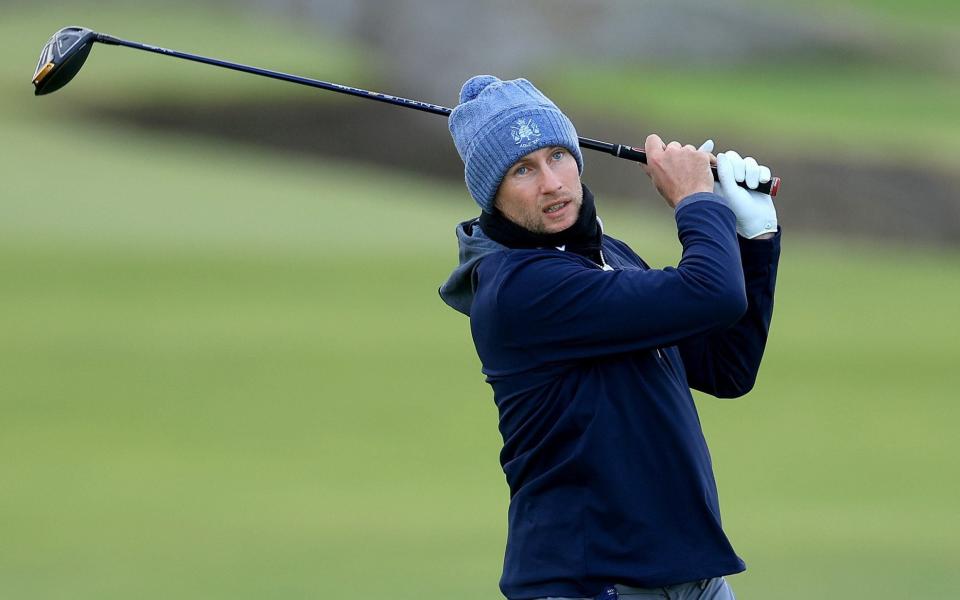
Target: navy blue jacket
x,y
610,477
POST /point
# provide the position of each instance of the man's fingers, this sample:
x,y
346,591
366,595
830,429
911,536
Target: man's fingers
x,y
707,147
736,162
751,172
745,170
725,172
673,145
653,146
764,174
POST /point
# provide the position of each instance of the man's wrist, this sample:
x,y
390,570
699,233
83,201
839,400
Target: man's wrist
x,y
756,225
761,243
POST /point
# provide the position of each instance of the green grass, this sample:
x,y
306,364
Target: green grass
x,y
918,16
841,459
232,427
216,384
227,374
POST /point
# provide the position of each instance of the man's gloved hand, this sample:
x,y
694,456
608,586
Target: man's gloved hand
x,y
755,212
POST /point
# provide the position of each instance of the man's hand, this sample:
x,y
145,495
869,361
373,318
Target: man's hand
x,y
756,215
677,171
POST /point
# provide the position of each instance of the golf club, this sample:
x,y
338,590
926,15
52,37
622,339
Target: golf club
x,y
65,52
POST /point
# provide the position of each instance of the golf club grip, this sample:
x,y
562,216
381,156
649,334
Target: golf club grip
x,y
635,154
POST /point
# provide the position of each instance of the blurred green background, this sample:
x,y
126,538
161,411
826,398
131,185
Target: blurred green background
x,y
225,371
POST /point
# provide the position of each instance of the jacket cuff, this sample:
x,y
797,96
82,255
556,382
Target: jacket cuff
x,y
759,256
699,197
757,247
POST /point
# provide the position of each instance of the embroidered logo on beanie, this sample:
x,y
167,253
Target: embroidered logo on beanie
x,y
525,132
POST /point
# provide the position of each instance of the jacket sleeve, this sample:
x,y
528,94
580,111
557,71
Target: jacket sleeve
x,y
725,363
556,307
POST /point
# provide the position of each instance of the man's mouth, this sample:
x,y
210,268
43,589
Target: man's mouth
x,y
556,206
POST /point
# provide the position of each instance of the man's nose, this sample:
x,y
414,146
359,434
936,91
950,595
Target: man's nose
x,y
550,182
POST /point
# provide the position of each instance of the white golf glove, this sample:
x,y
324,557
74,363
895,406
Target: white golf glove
x,y
755,212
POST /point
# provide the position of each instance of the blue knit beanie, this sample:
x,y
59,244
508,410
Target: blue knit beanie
x,y
498,122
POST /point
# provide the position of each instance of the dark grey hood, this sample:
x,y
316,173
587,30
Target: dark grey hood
x,y
460,287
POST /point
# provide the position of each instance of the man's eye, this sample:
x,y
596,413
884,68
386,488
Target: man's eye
x,y
558,154
520,171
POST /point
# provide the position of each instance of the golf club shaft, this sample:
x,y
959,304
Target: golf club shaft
x,y
333,87
619,150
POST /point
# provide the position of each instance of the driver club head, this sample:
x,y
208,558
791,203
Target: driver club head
x,y
61,58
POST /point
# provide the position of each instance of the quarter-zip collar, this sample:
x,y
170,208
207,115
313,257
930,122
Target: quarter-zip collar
x,y
475,242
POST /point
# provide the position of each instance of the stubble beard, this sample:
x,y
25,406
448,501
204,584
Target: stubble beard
x,y
538,225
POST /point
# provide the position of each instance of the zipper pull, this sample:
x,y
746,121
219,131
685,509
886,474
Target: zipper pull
x,y
603,262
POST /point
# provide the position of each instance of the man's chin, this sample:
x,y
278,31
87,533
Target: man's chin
x,y
565,224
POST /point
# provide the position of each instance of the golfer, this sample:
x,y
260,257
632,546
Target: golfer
x,y
591,354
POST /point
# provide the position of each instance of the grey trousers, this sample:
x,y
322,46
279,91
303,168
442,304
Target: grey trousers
x,y
708,589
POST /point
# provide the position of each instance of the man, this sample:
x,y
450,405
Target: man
x,y
591,354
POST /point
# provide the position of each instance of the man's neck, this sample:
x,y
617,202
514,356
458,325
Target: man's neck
x,y
583,237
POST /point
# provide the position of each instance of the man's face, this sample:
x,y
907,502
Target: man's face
x,y
541,192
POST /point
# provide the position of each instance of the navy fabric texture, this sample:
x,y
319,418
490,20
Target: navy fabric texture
x,y
610,478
